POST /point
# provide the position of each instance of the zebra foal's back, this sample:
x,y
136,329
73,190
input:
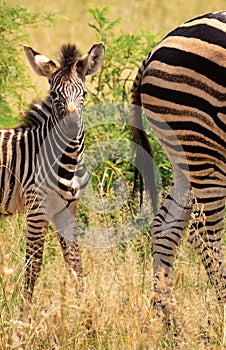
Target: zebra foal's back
x,y
182,87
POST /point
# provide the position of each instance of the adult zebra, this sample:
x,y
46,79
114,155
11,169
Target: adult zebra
x,y
181,86
42,172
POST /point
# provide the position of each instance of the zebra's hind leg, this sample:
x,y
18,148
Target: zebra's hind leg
x,y
36,232
167,229
206,237
65,224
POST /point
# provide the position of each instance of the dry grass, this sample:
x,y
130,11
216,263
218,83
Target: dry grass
x,y
115,311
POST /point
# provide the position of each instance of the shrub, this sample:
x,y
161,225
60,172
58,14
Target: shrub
x,y
14,20
124,53
109,89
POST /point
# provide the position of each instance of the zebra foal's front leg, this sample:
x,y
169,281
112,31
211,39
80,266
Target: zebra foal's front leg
x,y
65,224
36,232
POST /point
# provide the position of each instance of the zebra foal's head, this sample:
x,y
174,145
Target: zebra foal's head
x,y
67,79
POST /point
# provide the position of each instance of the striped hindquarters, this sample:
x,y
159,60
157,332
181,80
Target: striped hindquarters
x,y
183,91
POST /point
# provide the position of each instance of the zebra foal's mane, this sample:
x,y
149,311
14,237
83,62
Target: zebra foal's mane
x,y
69,54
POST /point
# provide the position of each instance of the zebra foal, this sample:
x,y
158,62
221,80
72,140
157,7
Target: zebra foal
x,y
42,172
181,86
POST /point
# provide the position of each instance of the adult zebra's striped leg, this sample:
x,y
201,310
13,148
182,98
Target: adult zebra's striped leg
x,y
36,232
205,235
167,230
66,226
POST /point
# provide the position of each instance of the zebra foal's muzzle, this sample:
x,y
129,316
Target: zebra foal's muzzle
x,y
72,121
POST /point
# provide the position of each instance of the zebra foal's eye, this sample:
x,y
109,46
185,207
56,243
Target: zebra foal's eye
x,y
84,93
53,94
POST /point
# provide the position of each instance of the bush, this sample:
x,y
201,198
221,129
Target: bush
x,y
109,89
14,20
123,56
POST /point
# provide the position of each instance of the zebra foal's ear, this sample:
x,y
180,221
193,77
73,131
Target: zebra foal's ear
x,y
91,62
40,64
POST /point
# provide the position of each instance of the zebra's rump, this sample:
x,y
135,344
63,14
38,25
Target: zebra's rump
x,y
183,92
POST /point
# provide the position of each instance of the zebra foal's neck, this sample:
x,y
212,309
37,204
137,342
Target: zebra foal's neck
x,y
45,153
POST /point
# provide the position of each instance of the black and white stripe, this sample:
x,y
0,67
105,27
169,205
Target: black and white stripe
x,y
182,87
42,172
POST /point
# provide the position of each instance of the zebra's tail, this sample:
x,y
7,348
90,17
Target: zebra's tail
x,y
144,166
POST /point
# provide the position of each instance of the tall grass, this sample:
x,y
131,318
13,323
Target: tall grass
x,y
115,311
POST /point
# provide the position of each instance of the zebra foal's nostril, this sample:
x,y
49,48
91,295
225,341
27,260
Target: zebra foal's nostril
x,y
71,107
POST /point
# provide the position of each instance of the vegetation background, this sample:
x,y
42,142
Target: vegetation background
x,y
116,309
156,16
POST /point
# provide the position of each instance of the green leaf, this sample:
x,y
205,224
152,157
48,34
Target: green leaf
x,y
14,20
